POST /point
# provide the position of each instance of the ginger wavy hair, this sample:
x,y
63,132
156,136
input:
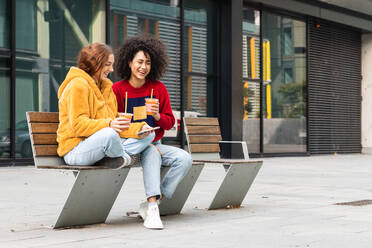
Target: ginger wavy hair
x,y
92,58
149,45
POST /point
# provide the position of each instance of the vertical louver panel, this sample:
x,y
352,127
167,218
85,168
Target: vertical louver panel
x,y
199,95
334,89
245,55
199,65
132,25
199,49
169,34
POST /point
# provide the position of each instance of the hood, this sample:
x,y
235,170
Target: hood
x,y
76,72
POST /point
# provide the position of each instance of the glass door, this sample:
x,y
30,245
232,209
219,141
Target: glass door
x,y
251,79
4,80
274,83
284,84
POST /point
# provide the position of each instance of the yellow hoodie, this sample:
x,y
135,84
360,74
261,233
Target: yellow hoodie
x,y
85,109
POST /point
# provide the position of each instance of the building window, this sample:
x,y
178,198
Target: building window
x,y
4,79
162,19
251,78
284,126
4,109
49,35
4,24
281,51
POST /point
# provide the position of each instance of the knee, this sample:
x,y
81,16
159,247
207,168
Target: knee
x,y
185,160
151,151
110,134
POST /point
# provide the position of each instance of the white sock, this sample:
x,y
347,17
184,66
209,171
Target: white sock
x,y
153,204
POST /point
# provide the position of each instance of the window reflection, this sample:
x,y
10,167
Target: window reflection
x,y
49,35
4,110
284,69
4,79
4,24
251,79
199,65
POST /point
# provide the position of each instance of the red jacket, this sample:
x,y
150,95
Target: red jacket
x,y
136,101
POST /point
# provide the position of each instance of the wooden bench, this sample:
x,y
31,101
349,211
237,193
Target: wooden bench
x,y
95,188
203,138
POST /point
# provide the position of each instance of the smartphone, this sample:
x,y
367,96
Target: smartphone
x,y
147,130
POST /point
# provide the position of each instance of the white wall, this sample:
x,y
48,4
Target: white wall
x,y
367,93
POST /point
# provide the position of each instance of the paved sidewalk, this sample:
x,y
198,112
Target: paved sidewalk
x,y
291,204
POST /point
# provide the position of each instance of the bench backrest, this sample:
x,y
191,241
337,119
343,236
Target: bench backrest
x,y
43,135
203,135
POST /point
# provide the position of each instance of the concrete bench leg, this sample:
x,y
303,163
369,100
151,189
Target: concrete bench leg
x,y
235,185
91,197
175,205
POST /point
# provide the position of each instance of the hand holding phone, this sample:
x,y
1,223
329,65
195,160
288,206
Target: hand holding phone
x,y
147,130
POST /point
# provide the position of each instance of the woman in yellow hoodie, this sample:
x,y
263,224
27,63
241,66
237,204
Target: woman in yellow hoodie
x,y
90,128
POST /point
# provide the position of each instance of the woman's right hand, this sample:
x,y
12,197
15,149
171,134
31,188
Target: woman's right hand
x,y
119,124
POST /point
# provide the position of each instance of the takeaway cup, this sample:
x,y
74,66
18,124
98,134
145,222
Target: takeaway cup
x,y
127,116
149,103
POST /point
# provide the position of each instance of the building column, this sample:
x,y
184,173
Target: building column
x,y
230,95
366,93
42,63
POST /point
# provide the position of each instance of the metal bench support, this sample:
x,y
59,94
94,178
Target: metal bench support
x,y
92,197
235,185
175,205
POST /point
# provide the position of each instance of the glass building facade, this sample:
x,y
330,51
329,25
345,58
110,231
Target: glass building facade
x,y
48,36
40,39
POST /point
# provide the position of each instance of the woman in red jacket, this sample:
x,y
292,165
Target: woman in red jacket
x,y
142,60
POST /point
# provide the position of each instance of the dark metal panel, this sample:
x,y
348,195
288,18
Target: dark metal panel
x,y
334,88
236,70
182,50
107,20
12,78
261,90
224,87
230,98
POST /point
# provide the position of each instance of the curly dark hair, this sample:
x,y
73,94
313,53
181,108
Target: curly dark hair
x,y
148,44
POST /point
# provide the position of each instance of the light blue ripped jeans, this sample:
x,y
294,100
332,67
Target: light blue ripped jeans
x,y
106,143
177,159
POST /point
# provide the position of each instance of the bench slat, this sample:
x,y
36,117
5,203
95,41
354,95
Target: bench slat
x,y
49,117
44,128
45,150
199,148
44,139
202,139
208,130
201,121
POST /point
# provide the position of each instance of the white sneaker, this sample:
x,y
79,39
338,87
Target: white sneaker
x,y
152,220
143,210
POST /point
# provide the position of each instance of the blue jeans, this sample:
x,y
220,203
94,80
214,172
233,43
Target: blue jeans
x,y
106,143
177,159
